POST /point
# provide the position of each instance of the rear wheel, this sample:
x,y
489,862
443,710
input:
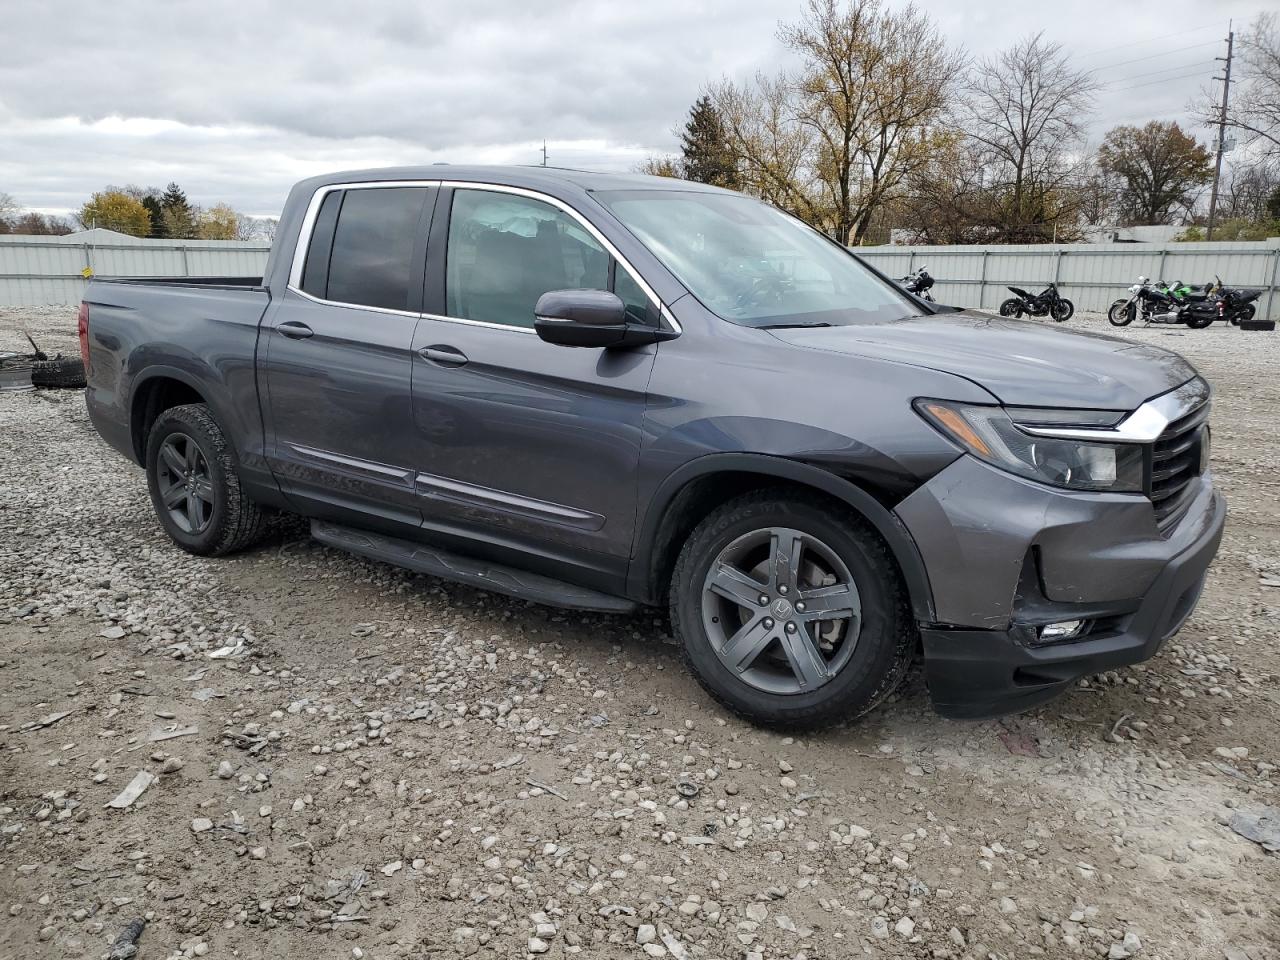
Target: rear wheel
x,y
1063,310
1121,313
790,613
1198,321
1245,313
1011,308
193,477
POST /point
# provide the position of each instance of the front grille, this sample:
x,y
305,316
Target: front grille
x,y
1175,463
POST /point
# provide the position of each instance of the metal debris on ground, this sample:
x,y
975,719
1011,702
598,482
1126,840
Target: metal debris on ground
x,y
133,791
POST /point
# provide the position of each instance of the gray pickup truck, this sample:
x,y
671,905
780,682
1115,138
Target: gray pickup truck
x,y
602,392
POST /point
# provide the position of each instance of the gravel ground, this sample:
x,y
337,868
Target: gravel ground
x,y
342,759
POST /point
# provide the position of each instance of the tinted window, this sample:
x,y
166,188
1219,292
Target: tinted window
x,y
372,259
506,251
315,273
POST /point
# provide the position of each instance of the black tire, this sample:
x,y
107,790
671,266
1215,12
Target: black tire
x,y
886,638
1011,308
1063,310
1244,314
1198,321
230,521
1119,314
60,372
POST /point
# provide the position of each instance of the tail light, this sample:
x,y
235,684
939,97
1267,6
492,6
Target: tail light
x,y
82,331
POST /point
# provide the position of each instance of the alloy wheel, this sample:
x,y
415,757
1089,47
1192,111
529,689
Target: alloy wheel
x,y
185,483
781,610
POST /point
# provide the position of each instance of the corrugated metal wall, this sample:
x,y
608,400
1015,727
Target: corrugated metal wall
x,y
1090,274
43,270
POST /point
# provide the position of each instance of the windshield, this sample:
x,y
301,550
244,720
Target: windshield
x,y
751,264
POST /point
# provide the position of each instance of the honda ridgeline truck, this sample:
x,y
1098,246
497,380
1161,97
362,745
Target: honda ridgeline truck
x,y
603,392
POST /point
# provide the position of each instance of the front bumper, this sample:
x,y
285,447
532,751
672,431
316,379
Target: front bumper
x,y
1097,558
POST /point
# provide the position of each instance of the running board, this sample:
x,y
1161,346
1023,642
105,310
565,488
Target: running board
x,y
474,573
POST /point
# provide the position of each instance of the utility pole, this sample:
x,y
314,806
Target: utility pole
x,y
544,146
1222,131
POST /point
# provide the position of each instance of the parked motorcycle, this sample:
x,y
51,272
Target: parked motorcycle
x,y
918,283
1152,301
1046,303
1197,307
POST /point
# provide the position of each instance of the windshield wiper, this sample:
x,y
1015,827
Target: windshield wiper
x,y
792,326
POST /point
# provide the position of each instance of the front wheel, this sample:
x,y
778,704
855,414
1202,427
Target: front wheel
x,y
1011,308
194,481
1121,313
790,612
1063,310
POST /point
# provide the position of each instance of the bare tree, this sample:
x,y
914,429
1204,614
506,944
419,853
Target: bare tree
x,y
838,139
9,209
1247,191
774,153
659,167
875,81
1027,107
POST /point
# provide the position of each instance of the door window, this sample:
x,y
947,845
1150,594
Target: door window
x,y
505,251
370,255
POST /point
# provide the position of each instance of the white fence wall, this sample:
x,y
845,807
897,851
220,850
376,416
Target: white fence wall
x,y
44,270
1091,274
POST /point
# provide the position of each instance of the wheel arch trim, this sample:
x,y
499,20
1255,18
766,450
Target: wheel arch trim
x,y
640,575
164,372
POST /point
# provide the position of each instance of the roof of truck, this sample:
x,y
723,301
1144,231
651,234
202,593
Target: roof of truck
x,y
515,176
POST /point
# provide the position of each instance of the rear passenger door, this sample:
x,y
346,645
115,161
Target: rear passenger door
x,y
336,359
525,443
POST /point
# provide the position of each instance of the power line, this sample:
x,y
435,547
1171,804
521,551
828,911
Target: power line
x,y
1162,53
1182,76
1151,73
1135,43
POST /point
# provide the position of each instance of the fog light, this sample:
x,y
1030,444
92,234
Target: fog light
x,y
1063,630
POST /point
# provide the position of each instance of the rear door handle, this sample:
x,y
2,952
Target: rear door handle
x,y
295,330
444,355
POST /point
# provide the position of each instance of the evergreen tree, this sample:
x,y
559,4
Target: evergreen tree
x,y
707,156
177,218
152,203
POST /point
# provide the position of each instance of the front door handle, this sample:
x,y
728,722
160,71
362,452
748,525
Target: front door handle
x,y
444,355
295,330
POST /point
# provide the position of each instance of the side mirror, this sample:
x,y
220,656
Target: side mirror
x,y
590,318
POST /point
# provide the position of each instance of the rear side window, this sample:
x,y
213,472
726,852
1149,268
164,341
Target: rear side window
x,y
315,274
370,260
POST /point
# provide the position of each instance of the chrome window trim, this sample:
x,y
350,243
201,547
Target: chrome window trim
x,y
1144,425
355,306
317,198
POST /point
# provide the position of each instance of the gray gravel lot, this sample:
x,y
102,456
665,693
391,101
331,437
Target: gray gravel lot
x,y
343,759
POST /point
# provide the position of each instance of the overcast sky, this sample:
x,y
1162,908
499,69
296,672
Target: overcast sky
x,y
236,107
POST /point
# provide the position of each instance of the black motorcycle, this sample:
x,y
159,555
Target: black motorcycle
x,y
918,283
1197,307
1047,303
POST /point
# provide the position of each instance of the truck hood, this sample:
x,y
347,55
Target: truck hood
x,y
1020,362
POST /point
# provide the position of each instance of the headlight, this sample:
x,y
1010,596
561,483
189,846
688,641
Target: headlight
x,y
990,434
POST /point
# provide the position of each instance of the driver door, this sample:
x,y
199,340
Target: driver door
x,y
525,443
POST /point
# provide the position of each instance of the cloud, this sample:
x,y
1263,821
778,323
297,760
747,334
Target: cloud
x,y
235,102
